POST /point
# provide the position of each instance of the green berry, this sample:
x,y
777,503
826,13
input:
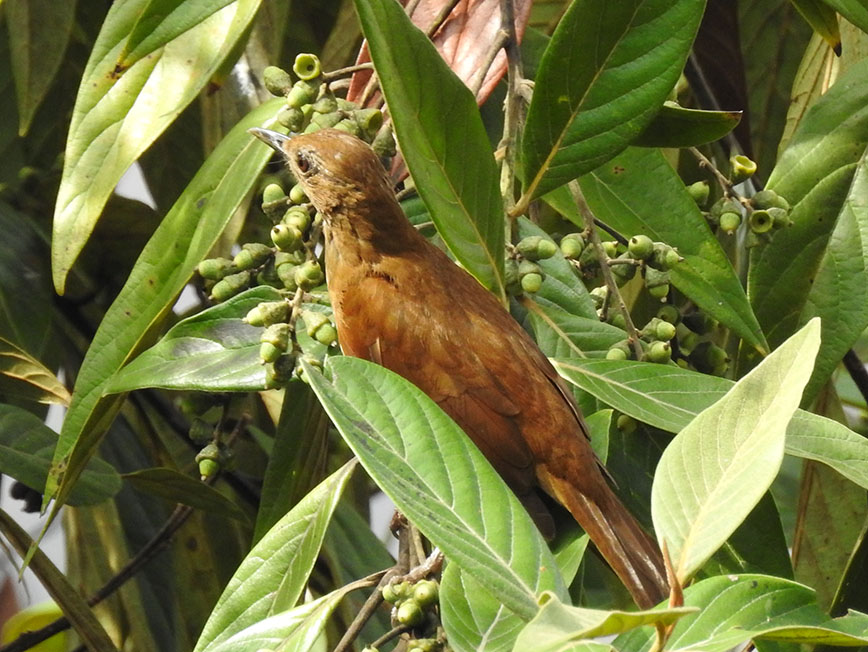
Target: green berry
x,y
286,237
761,221
369,121
780,217
626,424
277,334
298,217
742,168
323,121
297,194
214,269
640,246
510,276
699,191
326,335
617,353
669,313
659,291
769,199
252,254
272,193
280,371
308,275
536,247
200,431
277,80
291,117
426,593
617,319
230,286
326,103
410,613
625,271
208,468
384,142
390,595
687,339
655,277
313,321
664,331
531,283
302,92
729,222
268,313
268,352
659,352
286,274
307,66
664,256
572,245
350,126
611,248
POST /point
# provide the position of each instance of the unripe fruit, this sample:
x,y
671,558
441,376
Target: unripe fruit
x,y
286,274
426,593
297,194
276,334
291,117
200,431
350,126
327,335
611,248
307,66
531,283
761,221
619,351
369,121
268,352
640,246
655,277
664,256
308,275
699,191
664,331
623,272
301,93
279,373
510,276
230,286
572,245
253,254
298,217
780,217
208,468
277,80
410,613
617,319
626,424
687,339
729,222
769,199
536,247
384,142
742,168
669,313
659,352
268,313
272,193
286,237
326,103
214,269
659,291
599,295
323,121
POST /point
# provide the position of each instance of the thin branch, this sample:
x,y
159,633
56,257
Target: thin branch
x,y
512,105
367,611
348,70
614,292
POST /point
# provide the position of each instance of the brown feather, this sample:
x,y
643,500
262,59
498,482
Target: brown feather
x,y
401,302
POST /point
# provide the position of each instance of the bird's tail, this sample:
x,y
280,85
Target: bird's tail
x,y
626,547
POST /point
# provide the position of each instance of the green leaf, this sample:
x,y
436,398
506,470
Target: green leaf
x,y
638,192
473,618
214,351
272,577
716,470
668,397
814,174
853,10
602,79
822,19
439,479
180,488
675,126
295,630
558,624
26,377
839,293
26,445
74,606
160,22
737,608
442,139
39,32
117,116
182,240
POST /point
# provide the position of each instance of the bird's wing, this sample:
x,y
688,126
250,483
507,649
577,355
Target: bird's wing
x,y
422,336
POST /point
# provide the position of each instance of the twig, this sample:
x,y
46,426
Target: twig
x,y
856,368
494,48
367,611
588,217
512,105
725,185
348,70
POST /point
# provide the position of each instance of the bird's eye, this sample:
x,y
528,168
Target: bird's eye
x,y
301,162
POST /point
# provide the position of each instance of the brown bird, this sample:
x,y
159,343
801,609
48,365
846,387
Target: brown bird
x,y
399,301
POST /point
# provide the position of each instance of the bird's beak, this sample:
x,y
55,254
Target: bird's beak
x,y
273,139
